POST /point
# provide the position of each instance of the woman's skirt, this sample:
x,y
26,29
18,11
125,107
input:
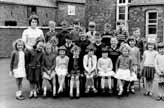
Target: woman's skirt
x,y
123,74
148,72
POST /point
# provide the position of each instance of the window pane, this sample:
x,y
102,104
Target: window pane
x,y
121,16
152,21
121,9
153,15
121,1
152,29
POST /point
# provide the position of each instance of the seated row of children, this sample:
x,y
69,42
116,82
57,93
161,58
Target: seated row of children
x,y
41,66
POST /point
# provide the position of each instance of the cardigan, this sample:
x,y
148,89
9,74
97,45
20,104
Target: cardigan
x,y
14,60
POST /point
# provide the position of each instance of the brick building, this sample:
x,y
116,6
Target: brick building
x,y
148,15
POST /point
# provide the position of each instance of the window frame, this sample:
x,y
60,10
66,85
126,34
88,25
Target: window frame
x,y
149,23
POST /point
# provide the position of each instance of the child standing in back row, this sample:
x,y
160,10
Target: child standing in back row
x,y
17,66
148,70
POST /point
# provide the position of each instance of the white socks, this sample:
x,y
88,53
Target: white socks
x,y
18,93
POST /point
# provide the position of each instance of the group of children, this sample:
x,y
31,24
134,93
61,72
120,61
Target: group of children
x,y
89,63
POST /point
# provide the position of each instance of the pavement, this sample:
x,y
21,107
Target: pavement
x,y
8,88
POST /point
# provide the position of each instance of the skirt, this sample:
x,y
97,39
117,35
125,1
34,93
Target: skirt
x,y
60,71
47,76
34,74
123,74
106,74
148,72
133,77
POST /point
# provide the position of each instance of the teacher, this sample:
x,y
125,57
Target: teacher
x,y
32,33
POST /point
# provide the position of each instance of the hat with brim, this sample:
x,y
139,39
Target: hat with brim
x,y
62,48
92,24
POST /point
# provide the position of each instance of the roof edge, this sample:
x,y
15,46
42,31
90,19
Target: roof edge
x,y
145,4
76,2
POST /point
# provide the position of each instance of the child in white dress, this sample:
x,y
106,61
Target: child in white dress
x,y
17,66
90,66
105,67
61,67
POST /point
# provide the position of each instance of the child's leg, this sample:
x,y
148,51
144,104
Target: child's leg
x,y
60,83
102,82
150,83
19,86
45,82
120,83
77,86
71,85
146,85
54,86
109,83
35,89
160,90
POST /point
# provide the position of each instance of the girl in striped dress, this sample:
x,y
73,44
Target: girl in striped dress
x,y
148,70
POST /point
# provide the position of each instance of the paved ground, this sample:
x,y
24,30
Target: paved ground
x,y
8,87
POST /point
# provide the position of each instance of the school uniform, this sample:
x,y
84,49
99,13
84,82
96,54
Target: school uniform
x,y
106,36
98,51
34,66
75,67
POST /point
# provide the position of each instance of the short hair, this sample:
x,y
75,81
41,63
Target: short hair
x,y
148,43
33,17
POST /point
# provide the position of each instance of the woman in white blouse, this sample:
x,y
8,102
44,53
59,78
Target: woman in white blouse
x,y
30,34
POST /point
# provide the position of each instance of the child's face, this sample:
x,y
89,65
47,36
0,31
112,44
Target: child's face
x,y
34,23
114,41
52,27
161,51
105,54
48,49
76,53
62,52
125,52
150,47
98,39
91,52
132,43
40,45
68,41
20,45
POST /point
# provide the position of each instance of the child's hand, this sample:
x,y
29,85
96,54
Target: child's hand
x,y
11,73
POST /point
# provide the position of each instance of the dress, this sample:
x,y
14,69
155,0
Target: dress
x,y
149,64
105,67
159,66
62,65
20,72
124,65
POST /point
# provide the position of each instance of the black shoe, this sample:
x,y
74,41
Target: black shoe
x,y
146,94
20,97
158,98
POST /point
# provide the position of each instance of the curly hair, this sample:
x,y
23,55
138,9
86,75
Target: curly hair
x,y
18,41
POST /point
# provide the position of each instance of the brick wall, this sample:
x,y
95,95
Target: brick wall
x,y
62,12
137,18
19,13
101,11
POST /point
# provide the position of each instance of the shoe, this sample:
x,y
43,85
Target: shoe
x,y
87,90
158,98
150,93
94,90
162,98
110,91
77,96
35,94
20,97
132,91
120,92
31,95
146,94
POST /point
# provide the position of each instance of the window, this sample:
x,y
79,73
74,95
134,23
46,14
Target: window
x,y
122,11
31,10
71,10
151,24
10,23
